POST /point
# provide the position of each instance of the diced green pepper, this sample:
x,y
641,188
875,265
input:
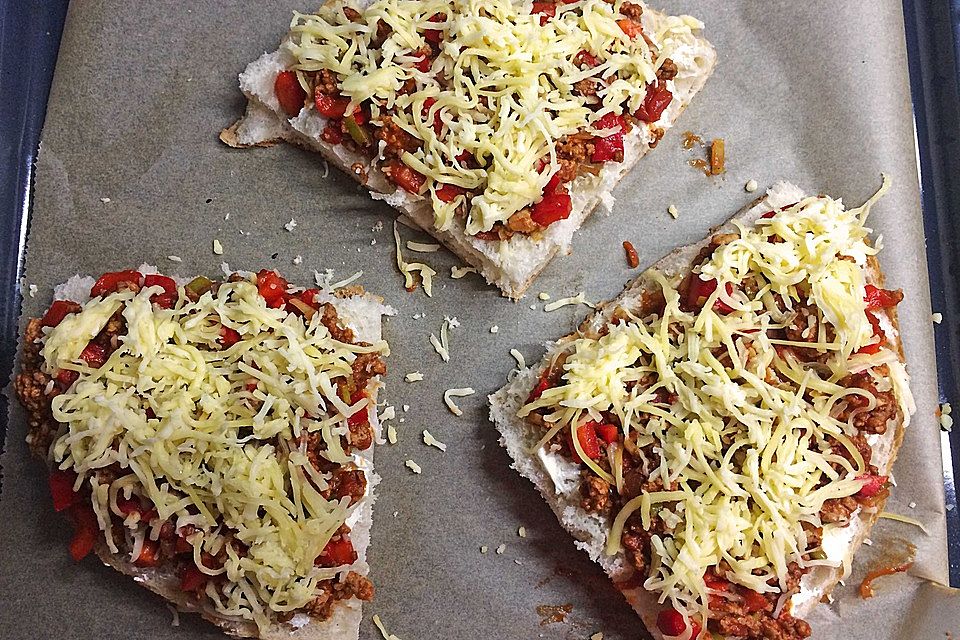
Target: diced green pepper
x,y
199,285
359,134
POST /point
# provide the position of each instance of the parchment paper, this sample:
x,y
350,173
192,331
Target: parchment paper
x,y
815,92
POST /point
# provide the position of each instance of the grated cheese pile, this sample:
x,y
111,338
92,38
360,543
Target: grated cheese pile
x,y
173,409
508,90
743,451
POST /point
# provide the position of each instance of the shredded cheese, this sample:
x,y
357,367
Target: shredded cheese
x,y
391,434
422,247
508,91
174,411
458,272
886,515
442,344
383,630
521,363
413,466
450,394
413,376
409,268
430,441
564,302
750,447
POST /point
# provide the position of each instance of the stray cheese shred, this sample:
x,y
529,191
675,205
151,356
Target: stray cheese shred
x,y
211,436
748,449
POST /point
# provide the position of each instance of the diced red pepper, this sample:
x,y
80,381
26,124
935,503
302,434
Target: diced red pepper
x,y
337,553
330,106
587,58
133,505
405,177
332,133
872,485
193,580
290,94
654,103
670,623
437,120
86,530
448,192
542,385
768,215
715,582
587,437
228,337
94,355
877,298
109,282
149,554
67,377
700,289
61,489
629,27
433,35
553,207
310,297
609,433
165,300
183,545
608,149
874,347
554,185
273,288
57,312
168,284
424,63
753,601
360,417
546,10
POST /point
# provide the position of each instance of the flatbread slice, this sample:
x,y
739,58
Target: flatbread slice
x,y
214,440
738,437
502,168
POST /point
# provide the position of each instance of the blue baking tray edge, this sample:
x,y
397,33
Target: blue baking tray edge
x,y
30,37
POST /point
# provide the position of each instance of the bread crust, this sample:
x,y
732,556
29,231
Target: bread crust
x,y
533,255
589,530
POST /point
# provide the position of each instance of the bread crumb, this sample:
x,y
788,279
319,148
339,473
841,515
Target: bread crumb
x,y
544,295
290,226
413,466
522,531
406,407
298,259
912,505
373,241
937,318
751,186
33,290
391,434
483,549
501,549
430,441
217,247
414,376
597,636
533,306
494,329
105,200
672,210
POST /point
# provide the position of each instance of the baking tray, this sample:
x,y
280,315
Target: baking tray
x,y
30,32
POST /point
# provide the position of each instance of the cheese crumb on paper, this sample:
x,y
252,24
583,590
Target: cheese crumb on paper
x,y
494,329
298,259
290,226
409,268
413,466
501,549
458,272
430,441
521,363
104,200
414,376
33,290
751,186
422,247
522,532
217,247
484,549
543,295
672,210
597,636
174,258
383,631
449,394
391,434
937,318
945,417
442,345
563,302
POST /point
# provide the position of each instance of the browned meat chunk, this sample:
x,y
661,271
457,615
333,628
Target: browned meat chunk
x,y
366,366
332,591
838,509
346,483
875,420
521,222
331,321
631,10
594,492
667,71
